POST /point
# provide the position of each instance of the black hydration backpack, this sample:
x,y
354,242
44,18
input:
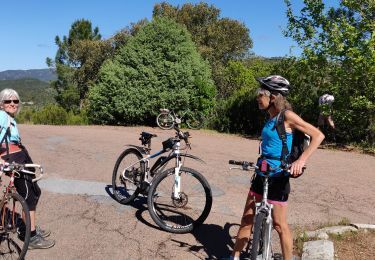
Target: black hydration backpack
x,y
300,141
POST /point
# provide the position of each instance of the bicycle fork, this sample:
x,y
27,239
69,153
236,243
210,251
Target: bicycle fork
x,y
177,178
267,225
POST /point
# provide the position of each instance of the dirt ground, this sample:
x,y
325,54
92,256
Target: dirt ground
x,y
336,185
360,246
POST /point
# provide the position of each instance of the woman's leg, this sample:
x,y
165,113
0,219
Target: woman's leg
x,y
244,232
32,220
281,226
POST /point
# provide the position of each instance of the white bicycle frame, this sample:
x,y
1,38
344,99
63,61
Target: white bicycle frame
x,y
178,165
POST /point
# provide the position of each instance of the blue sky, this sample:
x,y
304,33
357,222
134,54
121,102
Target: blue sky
x,y
28,28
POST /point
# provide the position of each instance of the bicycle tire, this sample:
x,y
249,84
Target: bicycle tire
x,y
165,121
13,208
127,189
257,243
172,215
195,120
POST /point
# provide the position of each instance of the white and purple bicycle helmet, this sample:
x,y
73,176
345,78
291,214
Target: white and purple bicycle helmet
x,y
275,84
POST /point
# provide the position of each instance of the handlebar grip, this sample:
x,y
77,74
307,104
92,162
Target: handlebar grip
x,y
240,163
295,177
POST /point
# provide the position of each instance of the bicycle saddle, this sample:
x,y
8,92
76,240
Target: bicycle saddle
x,y
146,137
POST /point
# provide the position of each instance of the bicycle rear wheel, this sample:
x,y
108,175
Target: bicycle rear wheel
x,y
189,211
15,227
261,243
195,120
127,176
165,121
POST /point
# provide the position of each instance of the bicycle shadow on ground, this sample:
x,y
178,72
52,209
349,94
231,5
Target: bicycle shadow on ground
x,y
9,249
214,240
140,203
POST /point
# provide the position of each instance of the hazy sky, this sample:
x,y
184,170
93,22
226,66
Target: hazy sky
x,y
28,28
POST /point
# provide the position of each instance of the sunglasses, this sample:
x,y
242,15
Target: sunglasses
x,y
15,101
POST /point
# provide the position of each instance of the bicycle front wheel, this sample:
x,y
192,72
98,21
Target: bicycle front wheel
x,y
127,176
261,243
195,120
165,121
15,227
183,214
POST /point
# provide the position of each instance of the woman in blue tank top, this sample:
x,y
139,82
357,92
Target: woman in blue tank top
x,y
271,97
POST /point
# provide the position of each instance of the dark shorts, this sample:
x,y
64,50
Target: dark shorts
x,y
29,190
278,187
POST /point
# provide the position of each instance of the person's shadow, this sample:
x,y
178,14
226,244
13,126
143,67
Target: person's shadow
x,y
215,240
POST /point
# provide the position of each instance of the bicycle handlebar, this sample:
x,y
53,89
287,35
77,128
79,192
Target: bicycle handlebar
x,y
250,165
8,167
182,135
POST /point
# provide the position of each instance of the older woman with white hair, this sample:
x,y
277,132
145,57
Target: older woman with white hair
x,y
11,150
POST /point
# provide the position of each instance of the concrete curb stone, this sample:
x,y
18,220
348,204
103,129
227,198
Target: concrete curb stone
x,y
318,250
323,249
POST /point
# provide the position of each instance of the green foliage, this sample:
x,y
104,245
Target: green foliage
x,y
159,67
77,119
218,40
32,91
238,112
339,51
78,59
51,114
25,116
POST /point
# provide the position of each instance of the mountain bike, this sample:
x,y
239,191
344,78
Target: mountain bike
x,y
261,244
14,212
167,119
179,198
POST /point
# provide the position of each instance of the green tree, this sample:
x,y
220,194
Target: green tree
x,y
340,43
77,61
219,40
238,111
159,67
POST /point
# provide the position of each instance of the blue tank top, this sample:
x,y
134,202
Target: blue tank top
x,y
272,146
5,119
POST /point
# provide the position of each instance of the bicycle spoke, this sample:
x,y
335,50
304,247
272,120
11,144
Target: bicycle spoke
x,y
14,231
190,208
127,176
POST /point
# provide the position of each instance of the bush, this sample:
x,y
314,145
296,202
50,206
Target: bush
x,y
51,115
80,119
25,116
159,67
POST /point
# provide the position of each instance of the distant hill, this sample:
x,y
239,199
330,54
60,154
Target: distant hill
x,y
33,91
40,74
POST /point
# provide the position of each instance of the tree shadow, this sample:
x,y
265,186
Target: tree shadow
x,y
215,240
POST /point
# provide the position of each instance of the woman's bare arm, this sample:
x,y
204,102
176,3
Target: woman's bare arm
x,y
293,121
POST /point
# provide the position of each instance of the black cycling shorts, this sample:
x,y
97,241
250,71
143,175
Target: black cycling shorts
x,y
278,187
29,190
